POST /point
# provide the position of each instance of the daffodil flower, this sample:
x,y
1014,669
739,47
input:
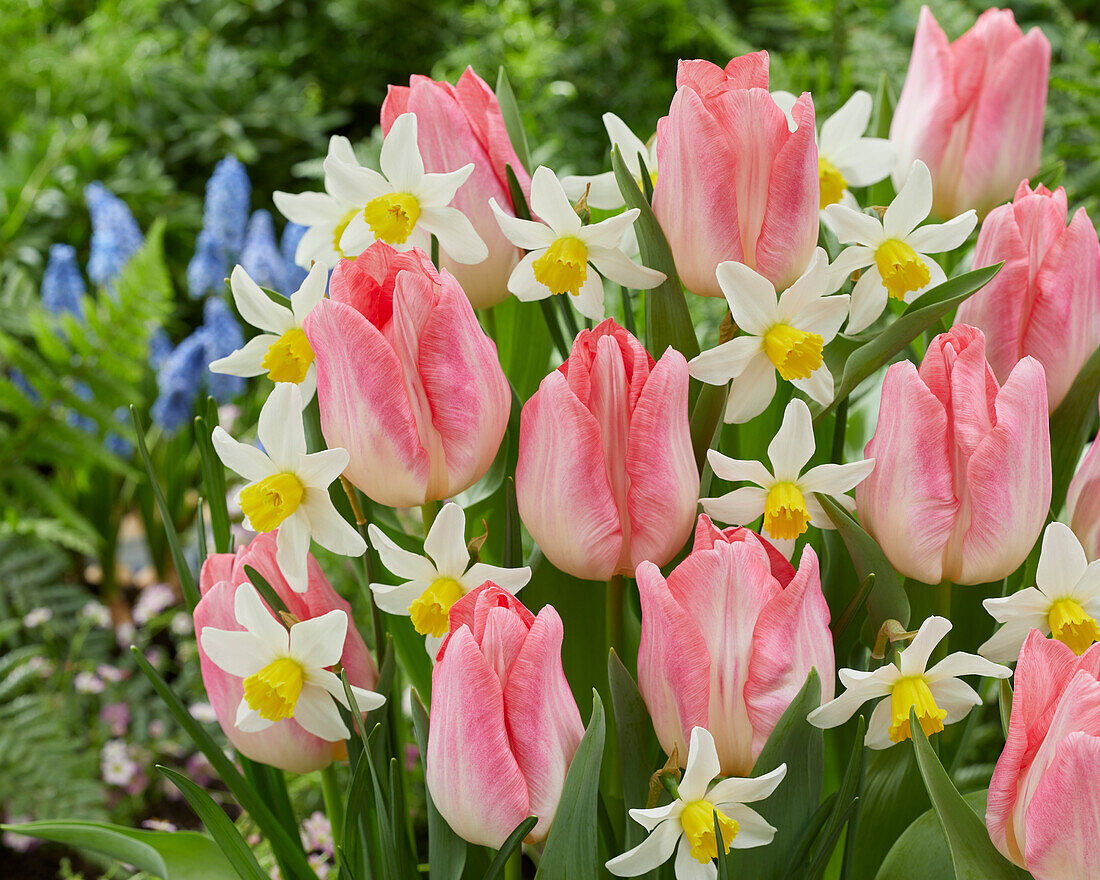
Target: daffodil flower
x,y
286,673
439,578
938,694
845,158
283,352
787,336
563,253
689,819
785,497
288,488
325,214
603,190
893,251
1065,601
403,206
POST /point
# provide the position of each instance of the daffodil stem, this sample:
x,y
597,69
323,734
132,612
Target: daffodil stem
x,y
839,430
614,614
428,510
334,804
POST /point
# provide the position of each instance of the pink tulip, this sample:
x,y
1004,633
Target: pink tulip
x,y
735,182
962,476
407,381
1083,502
1045,301
504,725
456,125
972,110
606,477
1044,798
728,640
285,744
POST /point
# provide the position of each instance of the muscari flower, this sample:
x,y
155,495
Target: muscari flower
x,y
227,205
293,274
222,335
62,284
115,234
178,382
261,256
207,268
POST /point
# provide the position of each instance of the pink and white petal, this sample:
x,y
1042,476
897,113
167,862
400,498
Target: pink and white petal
x,y
652,852
456,234
317,714
248,461
716,366
911,205
939,237
752,390
750,296
246,361
446,542
738,507
550,204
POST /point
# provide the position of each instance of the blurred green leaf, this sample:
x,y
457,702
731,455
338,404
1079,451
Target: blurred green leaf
x,y
513,119
634,733
1070,426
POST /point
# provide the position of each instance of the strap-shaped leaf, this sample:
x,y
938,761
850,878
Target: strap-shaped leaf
x,y
1070,426
513,121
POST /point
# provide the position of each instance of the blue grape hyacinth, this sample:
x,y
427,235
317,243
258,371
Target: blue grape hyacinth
x,y
293,274
62,284
178,382
208,267
260,256
227,205
116,235
223,336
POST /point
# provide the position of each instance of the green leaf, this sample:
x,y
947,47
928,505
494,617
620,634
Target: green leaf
x,y
705,417
893,796
510,846
523,345
846,803
922,313
1004,705
887,599
224,832
571,846
668,321
446,850
513,121
972,852
213,476
176,855
633,730
1070,427
801,746
266,591
183,570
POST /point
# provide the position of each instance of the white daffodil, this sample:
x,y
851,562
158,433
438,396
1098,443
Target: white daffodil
x,y
1065,601
283,352
603,190
326,214
561,250
285,673
403,206
845,158
689,819
938,694
785,497
893,251
288,488
787,335
439,578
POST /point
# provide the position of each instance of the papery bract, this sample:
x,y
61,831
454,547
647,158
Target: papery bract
x,y
606,476
1083,502
728,640
1045,301
735,182
962,477
504,724
972,110
1044,806
285,744
407,381
458,124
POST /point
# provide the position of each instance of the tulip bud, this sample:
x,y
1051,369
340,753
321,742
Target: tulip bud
x,y
457,125
285,744
1083,502
407,381
1043,804
728,641
606,476
962,477
972,110
1045,301
735,182
504,725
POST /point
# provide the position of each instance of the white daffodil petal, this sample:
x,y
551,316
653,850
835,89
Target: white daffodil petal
x,y
457,236
955,697
396,598
550,204
248,461
850,259
1005,644
329,528
399,561
319,641
307,208
590,300
625,141
603,190
511,579
868,161
311,292
352,184
608,233
234,651
687,867
737,470
854,226
400,157
1062,561
878,727
911,205
281,429
655,850
526,234
939,237
716,366
751,391
254,616
256,307
357,236
246,361
291,549
522,283
446,542
739,507
321,468
702,765
750,296
652,817
617,266
836,712
836,479
438,190
868,301
847,125
793,444
1031,602
743,790
914,659
808,287
249,720
960,663
818,386
753,829
317,714
825,316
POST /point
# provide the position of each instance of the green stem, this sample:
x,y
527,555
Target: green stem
x,y
513,868
614,614
943,609
839,430
428,510
334,805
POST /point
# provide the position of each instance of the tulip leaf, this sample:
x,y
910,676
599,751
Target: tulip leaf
x,y
705,418
636,751
801,746
1070,426
175,855
523,344
887,599
972,852
1004,705
220,826
213,475
667,319
446,850
571,846
881,193
510,846
922,313
513,121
